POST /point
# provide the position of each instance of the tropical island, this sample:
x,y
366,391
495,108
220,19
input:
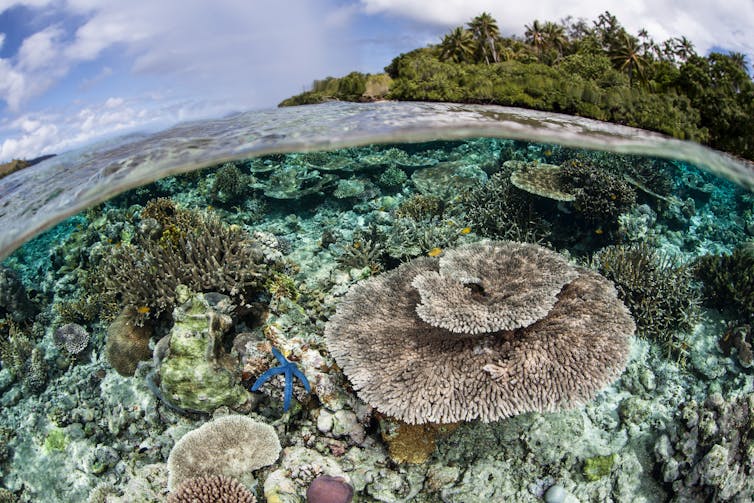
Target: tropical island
x,y
596,70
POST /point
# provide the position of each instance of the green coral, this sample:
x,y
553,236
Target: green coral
x,y
230,184
393,176
598,467
56,440
658,291
729,280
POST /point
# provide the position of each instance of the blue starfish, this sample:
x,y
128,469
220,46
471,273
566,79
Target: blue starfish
x,y
290,370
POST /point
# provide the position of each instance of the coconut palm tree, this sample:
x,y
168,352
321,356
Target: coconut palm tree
x,y
535,36
628,56
555,36
683,48
457,46
485,31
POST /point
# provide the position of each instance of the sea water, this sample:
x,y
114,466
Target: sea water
x,y
244,234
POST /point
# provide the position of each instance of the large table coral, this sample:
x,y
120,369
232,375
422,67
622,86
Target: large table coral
x,y
564,337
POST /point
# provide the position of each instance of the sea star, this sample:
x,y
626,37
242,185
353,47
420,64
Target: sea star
x,y
290,370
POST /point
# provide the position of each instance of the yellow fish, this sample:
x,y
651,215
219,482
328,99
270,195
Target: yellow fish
x,y
465,230
599,231
143,309
434,252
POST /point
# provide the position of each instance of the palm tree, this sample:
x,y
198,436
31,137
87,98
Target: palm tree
x,y
627,56
739,60
457,46
485,31
555,36
683,48
535,36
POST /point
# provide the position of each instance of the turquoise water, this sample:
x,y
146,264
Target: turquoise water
x,y
477,319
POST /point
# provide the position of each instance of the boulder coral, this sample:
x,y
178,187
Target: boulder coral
x,y
487,331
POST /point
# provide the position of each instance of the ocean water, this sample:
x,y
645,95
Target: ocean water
x,y
432,302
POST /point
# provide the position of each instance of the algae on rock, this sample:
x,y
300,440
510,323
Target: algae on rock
x,y
197,374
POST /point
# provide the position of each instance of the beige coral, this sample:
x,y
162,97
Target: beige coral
x,y
231,445
418,372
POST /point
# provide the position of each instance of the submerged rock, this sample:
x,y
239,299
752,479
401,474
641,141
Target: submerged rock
x,y
197,374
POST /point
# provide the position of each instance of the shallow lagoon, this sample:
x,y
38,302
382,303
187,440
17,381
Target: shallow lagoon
x,y
303,228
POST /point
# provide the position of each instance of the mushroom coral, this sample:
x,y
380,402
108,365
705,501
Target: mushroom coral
x,y
525,331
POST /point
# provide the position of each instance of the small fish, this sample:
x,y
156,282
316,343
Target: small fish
x,y
599,231
143,309
357,244
465,230
434,252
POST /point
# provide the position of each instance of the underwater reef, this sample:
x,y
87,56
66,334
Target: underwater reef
x,y
458,321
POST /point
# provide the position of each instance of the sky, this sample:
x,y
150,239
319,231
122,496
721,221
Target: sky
x,y
74,71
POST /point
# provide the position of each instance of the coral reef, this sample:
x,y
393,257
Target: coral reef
x,y
231,446
599,196
14,301
419,372
729,281
544,180
497,209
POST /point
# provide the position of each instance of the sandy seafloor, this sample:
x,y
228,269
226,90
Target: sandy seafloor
x,y
677,425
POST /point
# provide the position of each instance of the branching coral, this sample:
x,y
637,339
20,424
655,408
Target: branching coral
x,y
499,210
599,196
658,291
536,359
205,255
729,280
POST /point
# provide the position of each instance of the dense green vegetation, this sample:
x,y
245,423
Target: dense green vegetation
x,y
595,70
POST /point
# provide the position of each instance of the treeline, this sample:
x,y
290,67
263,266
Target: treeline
x,y
595,70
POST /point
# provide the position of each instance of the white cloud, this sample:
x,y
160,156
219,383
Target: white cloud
x,y
707,24
40,51
2,39
34,134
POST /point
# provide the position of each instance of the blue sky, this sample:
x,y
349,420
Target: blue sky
x,y
72,71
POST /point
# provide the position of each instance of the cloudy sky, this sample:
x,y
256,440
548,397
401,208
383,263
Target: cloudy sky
x,y
75,70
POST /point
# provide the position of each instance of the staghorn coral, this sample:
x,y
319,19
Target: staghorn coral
x,y
72,337
211,489
656,289
417,372
205,255
16,347
229,184
599,196
229,445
